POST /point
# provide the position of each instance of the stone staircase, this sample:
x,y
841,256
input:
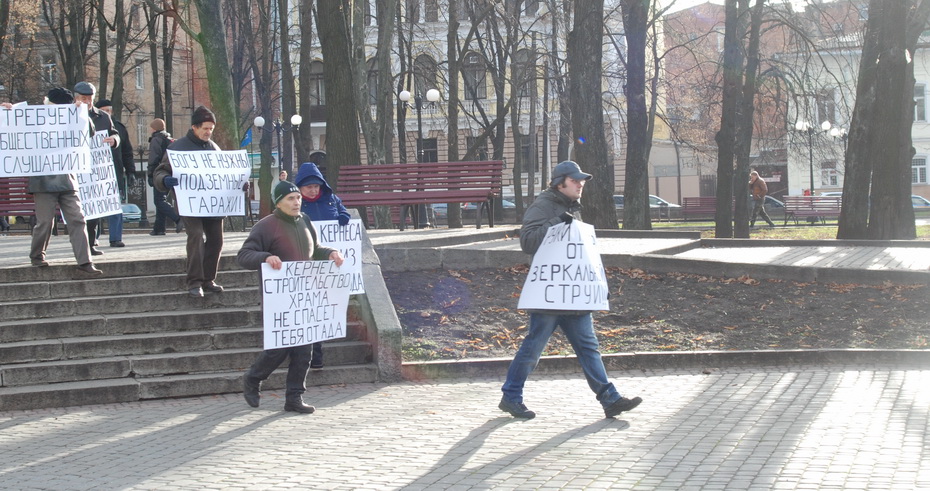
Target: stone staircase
x,y
135,334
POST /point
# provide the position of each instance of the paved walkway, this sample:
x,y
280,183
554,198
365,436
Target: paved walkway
x,y
803,427
839,427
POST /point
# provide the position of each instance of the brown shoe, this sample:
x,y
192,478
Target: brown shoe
x,y
40,263
89,269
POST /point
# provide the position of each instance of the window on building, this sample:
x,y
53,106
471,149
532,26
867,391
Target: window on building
x,y
50,70
826,106
919,170
475,77
142,135
413,11
530,7
828,175
430,147
523,73
920,102
480,143
316,89
424,74
140,74
372,83
432,11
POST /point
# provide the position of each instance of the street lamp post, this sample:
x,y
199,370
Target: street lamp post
x,y
805,127
432,95
280,128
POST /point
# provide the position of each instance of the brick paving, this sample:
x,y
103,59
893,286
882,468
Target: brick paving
x,y
804,427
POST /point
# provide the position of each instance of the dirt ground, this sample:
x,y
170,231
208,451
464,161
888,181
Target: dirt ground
x,y
473,314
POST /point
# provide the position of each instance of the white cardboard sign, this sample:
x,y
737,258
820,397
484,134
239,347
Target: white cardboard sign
x,y
44,140
304,302
567,273
98,188
210,183
348,240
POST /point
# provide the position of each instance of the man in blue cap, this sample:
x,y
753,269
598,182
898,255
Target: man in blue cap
x,y
558,204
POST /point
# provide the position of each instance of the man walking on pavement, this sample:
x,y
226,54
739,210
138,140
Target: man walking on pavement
x,y
556,205
758,189
84,92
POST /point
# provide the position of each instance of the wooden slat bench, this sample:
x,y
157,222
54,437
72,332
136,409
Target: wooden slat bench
x,y
15,199
410,185
698,207
813,207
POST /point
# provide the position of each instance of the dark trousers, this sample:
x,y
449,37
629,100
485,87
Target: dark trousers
x,y
758,208
204,245
269,360
163,211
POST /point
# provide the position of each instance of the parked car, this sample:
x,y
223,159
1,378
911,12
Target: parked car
x,y
658,207
921,205
441,210
131,213
774,208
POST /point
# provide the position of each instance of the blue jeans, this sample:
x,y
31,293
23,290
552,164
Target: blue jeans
x,y
163,211
579,329
115,225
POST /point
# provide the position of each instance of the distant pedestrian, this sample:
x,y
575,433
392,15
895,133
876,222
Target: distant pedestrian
x,y
282,176
59,191
282,236
318,203
204,234
556,205
758,189
158,143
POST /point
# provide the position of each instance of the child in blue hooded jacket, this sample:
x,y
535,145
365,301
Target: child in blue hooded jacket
x,y
318,202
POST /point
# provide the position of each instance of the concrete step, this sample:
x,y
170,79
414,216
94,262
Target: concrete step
x,y
173,283
127,303
128,389
206,360
132,323
140,267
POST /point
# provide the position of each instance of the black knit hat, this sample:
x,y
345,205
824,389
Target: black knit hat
x,y
60,95
202,115
283,189
103,103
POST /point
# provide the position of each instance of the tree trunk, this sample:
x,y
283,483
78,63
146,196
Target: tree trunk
x,y
288,91
585,54
729,119
453,210
743,142
304,141
636,213
342,145
212,40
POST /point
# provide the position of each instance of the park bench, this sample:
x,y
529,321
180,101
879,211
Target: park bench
x,y
414,184
812,207
15,199
698,207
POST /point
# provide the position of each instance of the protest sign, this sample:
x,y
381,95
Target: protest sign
x,y
98,188
304,302
210,183
44,140
348,240
567,273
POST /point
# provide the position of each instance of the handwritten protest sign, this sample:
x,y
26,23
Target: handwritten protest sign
x,y
348,240
304,302
98,188
210,183
44,140
567,273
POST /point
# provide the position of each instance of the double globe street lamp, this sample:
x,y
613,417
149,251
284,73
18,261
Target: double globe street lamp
x,y
280,128
432,95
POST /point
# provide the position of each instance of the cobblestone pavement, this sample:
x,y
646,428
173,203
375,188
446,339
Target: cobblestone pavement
x,y
834,427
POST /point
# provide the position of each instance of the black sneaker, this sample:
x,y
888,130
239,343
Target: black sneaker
x,y
620,405
516,409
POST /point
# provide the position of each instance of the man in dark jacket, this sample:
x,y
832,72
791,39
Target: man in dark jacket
x,y
282,236
124,159
158,143
204,234
85,92
554,206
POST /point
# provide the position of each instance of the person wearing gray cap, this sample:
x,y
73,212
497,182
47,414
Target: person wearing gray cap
x,y
558,204
84,93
